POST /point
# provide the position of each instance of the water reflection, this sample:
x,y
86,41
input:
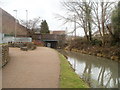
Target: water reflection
x,y
98,72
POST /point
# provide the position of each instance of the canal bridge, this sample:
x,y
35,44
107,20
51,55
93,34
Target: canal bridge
x,y
51,40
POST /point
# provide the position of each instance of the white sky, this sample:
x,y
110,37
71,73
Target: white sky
x,y
46,9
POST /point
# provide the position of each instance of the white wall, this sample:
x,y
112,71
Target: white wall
x,y
17,39
23,39
1,36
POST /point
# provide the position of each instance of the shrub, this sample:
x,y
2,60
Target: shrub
x,y
96,42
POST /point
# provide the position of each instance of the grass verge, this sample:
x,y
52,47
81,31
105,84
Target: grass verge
x,y
68,78
3,44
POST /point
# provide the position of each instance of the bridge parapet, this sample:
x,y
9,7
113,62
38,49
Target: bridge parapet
x,y
49,37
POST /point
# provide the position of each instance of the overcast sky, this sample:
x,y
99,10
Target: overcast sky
x,y
46,9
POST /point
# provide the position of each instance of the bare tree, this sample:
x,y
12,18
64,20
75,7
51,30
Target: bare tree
x,y
90,15
102,12
31,24
82,12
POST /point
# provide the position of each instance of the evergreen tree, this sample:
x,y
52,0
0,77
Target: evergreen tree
x,y
44,27
116,23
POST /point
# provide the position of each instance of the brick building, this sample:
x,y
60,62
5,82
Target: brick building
x,y
60,32
7,25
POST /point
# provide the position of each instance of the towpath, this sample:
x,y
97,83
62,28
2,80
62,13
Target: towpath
x,y
39,68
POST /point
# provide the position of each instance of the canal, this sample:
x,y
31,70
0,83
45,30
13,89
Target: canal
x,y
96,71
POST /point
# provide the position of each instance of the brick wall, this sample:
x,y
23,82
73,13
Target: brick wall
x,y
8,24
0,20
21,30
58,32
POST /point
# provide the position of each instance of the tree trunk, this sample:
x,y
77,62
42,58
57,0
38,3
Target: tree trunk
x,y
103,21
87,37
90,33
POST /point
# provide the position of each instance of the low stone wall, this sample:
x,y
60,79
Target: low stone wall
x,y
4,52
24,46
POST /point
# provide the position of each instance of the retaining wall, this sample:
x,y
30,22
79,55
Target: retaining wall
x,y
4,54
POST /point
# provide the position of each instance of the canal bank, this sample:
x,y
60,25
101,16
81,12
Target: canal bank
x,y
96,71
112,53
68,78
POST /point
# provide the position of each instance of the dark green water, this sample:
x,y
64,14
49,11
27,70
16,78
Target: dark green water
x,y
96,71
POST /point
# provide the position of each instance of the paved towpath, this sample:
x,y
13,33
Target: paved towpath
x,y
39,68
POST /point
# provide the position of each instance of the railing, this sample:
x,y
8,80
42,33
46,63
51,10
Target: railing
x,y
17,39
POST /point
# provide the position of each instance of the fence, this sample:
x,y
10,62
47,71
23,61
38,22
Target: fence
x,y
17,39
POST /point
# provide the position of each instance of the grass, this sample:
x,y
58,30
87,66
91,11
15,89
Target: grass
x,y
68,78
3,44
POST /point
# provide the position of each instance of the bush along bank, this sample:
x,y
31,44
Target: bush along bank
x,y
112,53
23,45
68,78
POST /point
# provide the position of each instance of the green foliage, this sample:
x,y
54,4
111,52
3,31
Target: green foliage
x,y
96,42
44,27
11,34
116,23
69,79
79,43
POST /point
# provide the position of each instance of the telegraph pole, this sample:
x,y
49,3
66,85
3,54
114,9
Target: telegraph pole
x,y
15,24
75,24
75,37
26,19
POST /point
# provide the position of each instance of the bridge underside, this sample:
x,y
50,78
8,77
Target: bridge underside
x,y
51,43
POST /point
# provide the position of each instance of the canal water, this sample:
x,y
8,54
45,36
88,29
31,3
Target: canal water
x,y
96,71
